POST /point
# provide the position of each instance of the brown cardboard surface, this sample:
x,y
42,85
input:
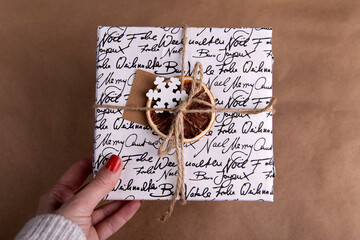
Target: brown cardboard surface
x,y
142,82
47,65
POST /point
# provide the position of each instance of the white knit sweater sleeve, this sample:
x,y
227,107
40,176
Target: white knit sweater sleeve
x,y
50,226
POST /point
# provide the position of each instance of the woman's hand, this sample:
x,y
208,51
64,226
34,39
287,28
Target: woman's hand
x,y
79,207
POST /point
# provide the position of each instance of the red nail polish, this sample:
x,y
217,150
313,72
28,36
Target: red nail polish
x,y
113,163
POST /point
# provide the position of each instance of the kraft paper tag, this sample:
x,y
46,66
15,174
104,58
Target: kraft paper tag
x,y
143,81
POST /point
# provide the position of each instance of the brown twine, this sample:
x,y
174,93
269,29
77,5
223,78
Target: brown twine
x,y
175,137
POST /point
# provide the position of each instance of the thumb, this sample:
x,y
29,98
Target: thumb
x,y
101,185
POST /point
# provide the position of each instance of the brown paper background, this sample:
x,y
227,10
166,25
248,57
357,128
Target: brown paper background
x,y
47,74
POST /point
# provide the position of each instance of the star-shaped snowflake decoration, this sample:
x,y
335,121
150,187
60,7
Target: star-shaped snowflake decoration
x,y
166,94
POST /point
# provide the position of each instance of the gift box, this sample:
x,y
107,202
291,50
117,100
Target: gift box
x,y
234,160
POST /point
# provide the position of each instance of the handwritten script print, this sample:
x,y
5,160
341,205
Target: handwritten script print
x,y
234,161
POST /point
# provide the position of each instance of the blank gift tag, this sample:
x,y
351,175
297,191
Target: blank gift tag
x,y
143,81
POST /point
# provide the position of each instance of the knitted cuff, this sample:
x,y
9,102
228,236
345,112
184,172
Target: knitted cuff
x,y
50,226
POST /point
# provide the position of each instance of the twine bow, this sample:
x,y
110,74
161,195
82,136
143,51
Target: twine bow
x,y
175,137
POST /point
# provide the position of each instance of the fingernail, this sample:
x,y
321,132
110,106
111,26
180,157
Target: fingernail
x,y
113,163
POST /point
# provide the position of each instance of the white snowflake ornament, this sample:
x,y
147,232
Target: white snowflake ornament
x,y
166,94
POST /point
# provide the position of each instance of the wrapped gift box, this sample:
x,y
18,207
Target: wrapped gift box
x,y
234,161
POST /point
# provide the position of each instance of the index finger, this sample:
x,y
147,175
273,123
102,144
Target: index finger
x,y
75,176
64,189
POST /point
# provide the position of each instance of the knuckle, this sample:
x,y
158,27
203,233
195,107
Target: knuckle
x,y
101,181
58,192
112,227
80,205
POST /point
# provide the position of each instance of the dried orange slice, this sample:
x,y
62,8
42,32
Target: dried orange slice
x,y
196,125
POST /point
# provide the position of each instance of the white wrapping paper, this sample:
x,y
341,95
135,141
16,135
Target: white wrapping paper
x,y
234,161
